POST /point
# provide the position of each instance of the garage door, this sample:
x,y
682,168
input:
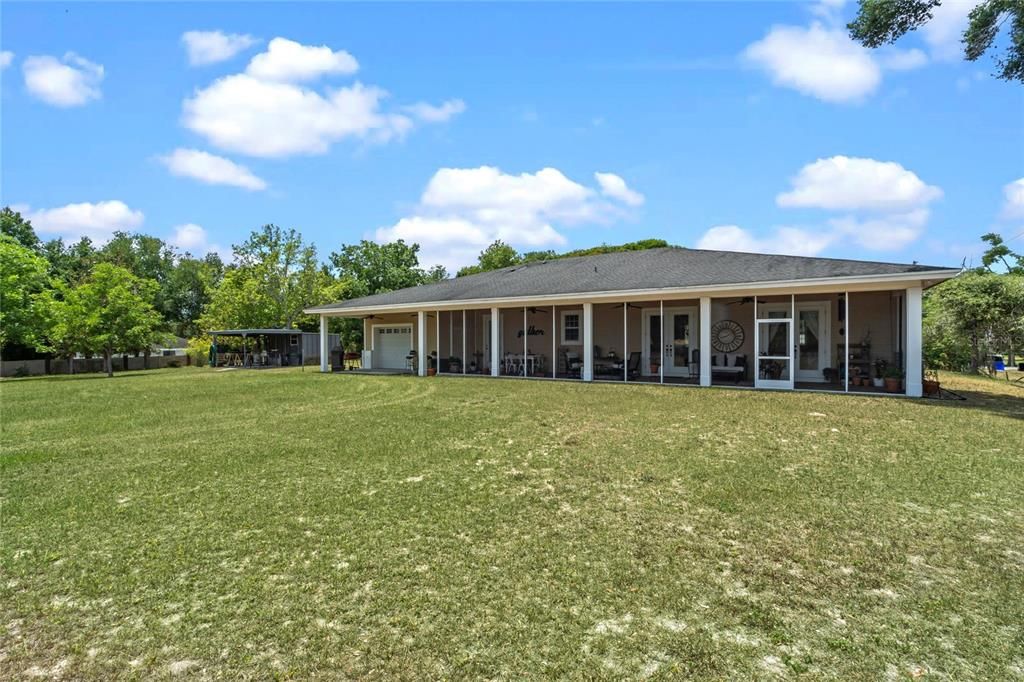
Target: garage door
x,y
390,346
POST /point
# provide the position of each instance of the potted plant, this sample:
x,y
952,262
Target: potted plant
x,y
879,378
432,363
893,379
930,384
655,367
454,364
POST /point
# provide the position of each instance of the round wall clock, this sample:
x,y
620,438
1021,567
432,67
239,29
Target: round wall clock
x,y
726,336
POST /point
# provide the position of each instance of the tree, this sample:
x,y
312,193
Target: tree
x,y
23,277
276,277
286,269
979,311
880,22
13,225
70,264
999,252
67,323
495,257
373,268
112,312
147,258
189,290
500,255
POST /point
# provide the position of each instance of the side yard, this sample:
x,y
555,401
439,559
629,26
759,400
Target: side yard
x,y
285,523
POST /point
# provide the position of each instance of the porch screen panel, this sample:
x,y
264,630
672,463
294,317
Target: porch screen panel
x,y
654,352
809,339
681,339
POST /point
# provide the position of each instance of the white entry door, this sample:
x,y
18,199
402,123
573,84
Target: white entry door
x,y
676,349
391,345
773,347
813,332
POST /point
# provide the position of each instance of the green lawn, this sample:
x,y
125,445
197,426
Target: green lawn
x,y
298,525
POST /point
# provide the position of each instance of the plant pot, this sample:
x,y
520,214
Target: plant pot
x,y
878,382
655,369
431,372
930,387
892,385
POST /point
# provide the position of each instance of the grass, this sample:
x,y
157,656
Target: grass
x,y
193,523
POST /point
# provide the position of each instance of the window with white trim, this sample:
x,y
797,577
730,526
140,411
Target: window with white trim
x,y
572,327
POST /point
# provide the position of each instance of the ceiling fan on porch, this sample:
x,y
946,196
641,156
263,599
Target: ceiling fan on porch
x,y
743,301
630,305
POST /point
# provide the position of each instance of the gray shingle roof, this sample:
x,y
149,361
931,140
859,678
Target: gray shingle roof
x,y
663,268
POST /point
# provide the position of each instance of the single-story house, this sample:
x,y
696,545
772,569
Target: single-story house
x,y
668,315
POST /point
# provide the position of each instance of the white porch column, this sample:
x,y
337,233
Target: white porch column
x,y
914,361
421,343
705,340
495,342
588,342
323,343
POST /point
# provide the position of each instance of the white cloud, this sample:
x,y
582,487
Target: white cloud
x,y
614,187
829,10
70,82
261,113
891,232
194,239
210,47
287,60
463,210
6,57
943,33
850,183
903,60
96,221
817,61
436,114
884,205
1014,206
211,169
792,241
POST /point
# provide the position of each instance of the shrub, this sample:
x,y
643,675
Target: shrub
x,y
198,349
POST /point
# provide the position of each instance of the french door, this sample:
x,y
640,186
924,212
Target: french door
x,y
813,341
675,349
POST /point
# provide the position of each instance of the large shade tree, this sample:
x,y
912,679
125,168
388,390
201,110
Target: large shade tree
x,y
276,276
23,278
880,22
111,312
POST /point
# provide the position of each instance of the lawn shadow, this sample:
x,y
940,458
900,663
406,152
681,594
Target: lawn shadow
x,y
992,396
79,377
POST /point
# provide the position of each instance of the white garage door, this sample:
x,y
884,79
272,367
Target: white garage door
x,y
391,344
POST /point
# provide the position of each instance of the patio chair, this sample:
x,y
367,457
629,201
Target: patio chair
x,y
573,366
633,366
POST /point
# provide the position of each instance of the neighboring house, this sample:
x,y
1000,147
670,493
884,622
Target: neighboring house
x,y
669,315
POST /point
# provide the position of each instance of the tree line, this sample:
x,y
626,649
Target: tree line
x,y
136,291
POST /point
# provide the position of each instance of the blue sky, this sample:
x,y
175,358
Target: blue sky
x,y
753,126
